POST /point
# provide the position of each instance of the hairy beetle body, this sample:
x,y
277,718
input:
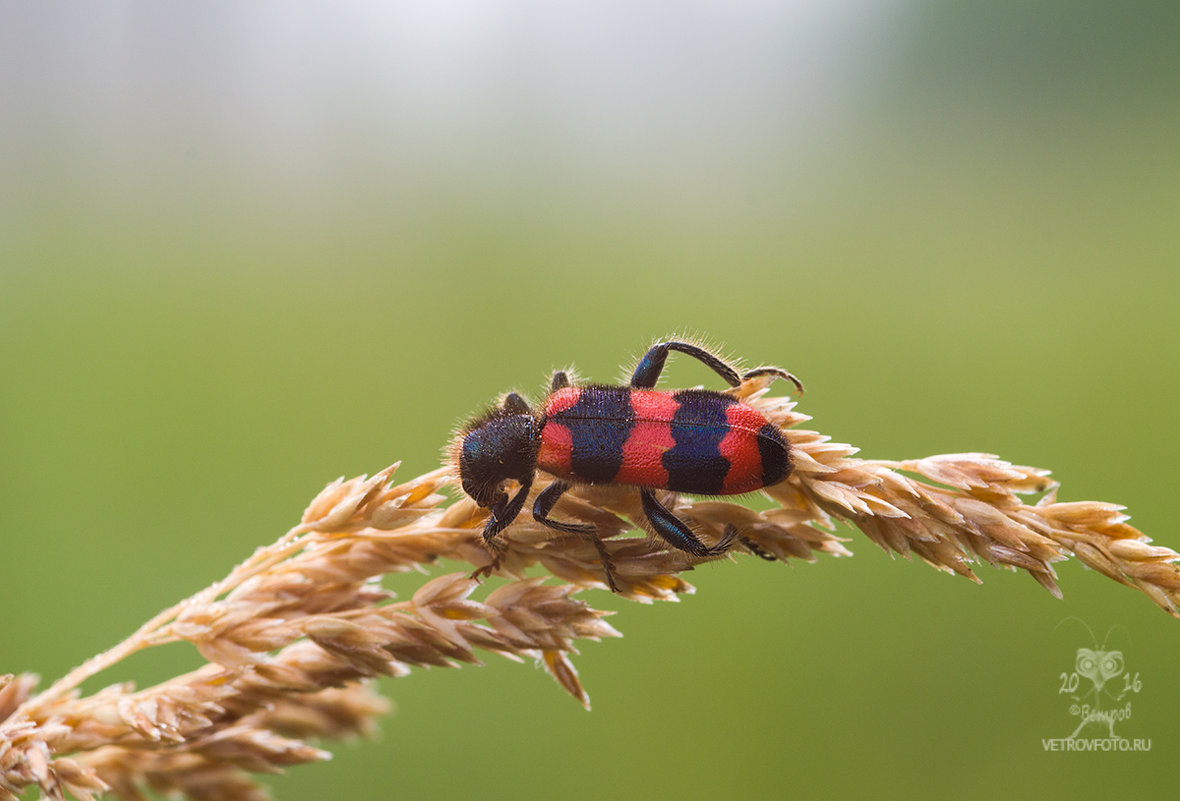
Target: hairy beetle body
x,y
692,440
695,441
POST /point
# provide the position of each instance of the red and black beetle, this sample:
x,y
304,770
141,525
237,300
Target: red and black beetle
x,y
693,440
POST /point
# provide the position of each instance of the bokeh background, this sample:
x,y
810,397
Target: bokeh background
x,y
246,248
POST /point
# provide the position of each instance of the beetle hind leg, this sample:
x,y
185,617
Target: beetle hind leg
x,y
647,372
676,532
776,372
757,549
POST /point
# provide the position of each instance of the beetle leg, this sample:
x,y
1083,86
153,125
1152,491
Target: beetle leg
x,y
515,404
544,504
504,511
758,550
560,380
494,546
647,372
677,534
481,573
777,372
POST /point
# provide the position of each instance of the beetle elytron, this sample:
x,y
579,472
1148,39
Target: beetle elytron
x,y
693,440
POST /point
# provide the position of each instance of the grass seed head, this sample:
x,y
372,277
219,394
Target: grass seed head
x,y
294,635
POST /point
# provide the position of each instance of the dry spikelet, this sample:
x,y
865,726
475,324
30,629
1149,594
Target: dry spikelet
x,y
295,634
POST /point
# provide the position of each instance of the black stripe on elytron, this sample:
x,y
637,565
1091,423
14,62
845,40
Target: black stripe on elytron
x,y
776,464
599,423
695,463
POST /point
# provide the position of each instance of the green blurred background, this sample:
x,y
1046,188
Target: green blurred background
x,y
247,248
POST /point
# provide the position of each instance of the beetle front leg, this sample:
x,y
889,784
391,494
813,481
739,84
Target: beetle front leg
x,y
677,534
503,512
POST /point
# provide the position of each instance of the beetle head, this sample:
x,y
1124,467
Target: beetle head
x,y
500,446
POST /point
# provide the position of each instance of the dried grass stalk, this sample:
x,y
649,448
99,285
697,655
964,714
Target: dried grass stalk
x,y
294,635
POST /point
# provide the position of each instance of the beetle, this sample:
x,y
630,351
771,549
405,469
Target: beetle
x,y
697,441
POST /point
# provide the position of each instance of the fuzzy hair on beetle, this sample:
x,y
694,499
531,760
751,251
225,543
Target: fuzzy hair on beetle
x,y
698,441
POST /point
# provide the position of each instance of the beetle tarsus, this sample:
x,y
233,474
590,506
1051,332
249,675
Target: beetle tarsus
x,y
777,372
725,544
608,566
497,549
758,550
